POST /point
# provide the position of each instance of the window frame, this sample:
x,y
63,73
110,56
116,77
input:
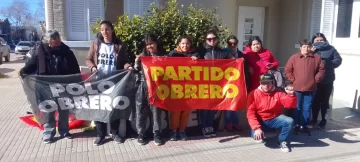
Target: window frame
x,y
126,6
351,44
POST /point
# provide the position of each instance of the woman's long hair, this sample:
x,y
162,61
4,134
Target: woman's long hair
x,y
108,23
153,38
318,35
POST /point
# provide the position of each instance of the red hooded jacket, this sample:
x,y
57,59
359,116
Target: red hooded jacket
x,y
265,106
258,61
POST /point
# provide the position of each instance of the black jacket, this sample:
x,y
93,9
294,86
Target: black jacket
x,y
332,60
210,52
246,70
48,61
176,53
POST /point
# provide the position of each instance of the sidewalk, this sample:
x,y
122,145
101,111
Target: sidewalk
x,y
19,142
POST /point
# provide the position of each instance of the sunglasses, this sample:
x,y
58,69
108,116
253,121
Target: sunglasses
x,y
211,39
232,44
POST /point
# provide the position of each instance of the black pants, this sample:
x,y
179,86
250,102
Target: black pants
x,y
144,110
290,112
101,128
321,100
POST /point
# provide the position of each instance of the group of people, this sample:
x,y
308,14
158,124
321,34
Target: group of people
x,y
310,71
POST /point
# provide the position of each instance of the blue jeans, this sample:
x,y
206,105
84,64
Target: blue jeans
x,y
282,121
303,108
50,124
207,118
232,117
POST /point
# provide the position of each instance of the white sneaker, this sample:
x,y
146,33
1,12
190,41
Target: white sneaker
x,y
283,146
212,132
206,133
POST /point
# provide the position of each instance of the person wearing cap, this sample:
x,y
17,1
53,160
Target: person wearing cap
x,y
265,110
304,70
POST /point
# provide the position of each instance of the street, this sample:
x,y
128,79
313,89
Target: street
x,y
20,142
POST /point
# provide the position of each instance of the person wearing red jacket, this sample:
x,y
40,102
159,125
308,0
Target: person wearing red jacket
x,y
260,60
265,110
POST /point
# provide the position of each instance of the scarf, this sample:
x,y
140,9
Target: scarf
x,y
321,45
178,49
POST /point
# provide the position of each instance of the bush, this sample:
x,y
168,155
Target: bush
x,y
168,22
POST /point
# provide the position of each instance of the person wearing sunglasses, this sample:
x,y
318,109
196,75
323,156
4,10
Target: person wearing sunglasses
x,y
210,51
260,59
232,117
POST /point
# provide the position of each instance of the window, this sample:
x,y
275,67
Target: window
x,y
343,27
81,14
137,7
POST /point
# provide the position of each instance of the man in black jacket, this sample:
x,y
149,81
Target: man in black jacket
x,y
52,57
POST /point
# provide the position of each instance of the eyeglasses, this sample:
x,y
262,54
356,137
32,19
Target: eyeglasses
x,y
211,39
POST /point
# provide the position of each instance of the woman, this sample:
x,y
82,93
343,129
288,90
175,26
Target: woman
x,y
152,47
180,119
106,55
260,60
232,117
332,60
210,51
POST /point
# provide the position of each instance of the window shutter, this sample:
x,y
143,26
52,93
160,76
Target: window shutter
x,y
328,19
77,30
95,12
137,7
316,17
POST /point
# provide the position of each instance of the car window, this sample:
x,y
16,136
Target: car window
x,y
24,44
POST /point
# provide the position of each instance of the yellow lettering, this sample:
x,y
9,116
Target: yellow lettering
x,y
203,91
170,73
230,91
216,73
184,73
190,91
156,71
177,91
235,74
215,91
162,92
206,73
196,70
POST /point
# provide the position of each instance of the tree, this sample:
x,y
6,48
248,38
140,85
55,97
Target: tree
x,y
18,12
168,23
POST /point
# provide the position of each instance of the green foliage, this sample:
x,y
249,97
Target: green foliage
x,y
168,22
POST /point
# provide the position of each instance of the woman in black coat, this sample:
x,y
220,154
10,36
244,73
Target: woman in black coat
x,y
332,60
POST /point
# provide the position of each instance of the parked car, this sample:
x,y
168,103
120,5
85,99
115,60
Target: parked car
x,y
23,47
4,51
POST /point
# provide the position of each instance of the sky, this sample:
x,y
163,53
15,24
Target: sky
x,y
33,5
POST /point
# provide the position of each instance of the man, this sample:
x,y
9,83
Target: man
x,y
265,110
52,58
304,70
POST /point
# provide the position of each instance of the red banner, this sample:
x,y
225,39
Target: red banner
x,y
178,84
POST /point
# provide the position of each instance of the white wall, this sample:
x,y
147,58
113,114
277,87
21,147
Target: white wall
x,y
347,81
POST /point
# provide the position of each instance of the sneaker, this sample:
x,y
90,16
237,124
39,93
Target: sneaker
x,y
206,132
306,130
212,132
173,136
118,139
322,124
229,128
297,130
98,141
183,136
157,140
141,140
67,136
283,146
48,141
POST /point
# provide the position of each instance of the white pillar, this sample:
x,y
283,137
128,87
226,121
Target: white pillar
x,y
49,14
